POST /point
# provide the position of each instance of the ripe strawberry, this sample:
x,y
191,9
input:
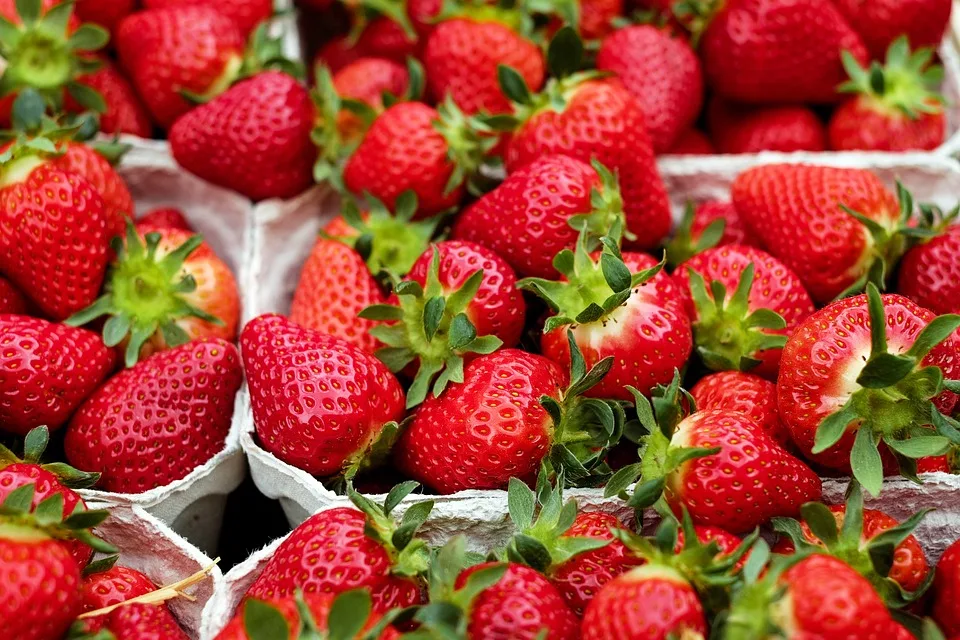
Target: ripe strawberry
x,y
775,51
136,621
323,374
880,22
663,74
745,331
164,218
842,390
380,38
246,14
692,143
799,214
930,274
738,128
709,224
46,371
946,590
85,161
156,422
726,541
106,13
253,138
113,585
367,80
596,17
125,112
165,288
11,300
745,393
896,107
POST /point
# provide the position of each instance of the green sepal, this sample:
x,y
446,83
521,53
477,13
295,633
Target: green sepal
x,y
469,141
682,246
34,446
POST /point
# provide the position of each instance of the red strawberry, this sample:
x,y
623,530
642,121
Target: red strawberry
x,y
367,80
692,143
86,162
300,380
596,17
164,218
736,128
106,13
930,274
156,422
117,584
137,621
880,22
246,14
946,590
253,138
663,74
46,371
745,393
776,51
896,106
798,213
726,541
868,370
709,224
125,113
11,300
738,332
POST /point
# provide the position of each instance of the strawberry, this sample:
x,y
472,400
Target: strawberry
x,y
746,330
745,393
588,118
46,371
156,422
895,107
106,13
875,544
865,372
246,14
946,589
707,225
346,548
85,161
880,22
692,143
537,209
929,273
367,80
165,288
253,138
164,218
736,128
124,112
596,17
136,621
11,300
663,74
833,227
113,585
750,49
284,363
727,543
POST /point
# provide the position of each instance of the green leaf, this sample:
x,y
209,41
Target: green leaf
x,y
833,427
115,329
28,10
50,511
35,443
397,494
513,85
885,370
381,313
19,500
532,552
646,493
565,53
263,622
521,503
348,615
462,332
821,522
865,461
622,479
878,321
919,446
87,97
88,37
615,272
432,315
933,334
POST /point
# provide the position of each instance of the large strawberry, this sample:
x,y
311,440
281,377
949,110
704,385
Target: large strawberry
x,y
737,128
84,160
746,330
896,106
46,371
246,14
157,421
743,392
802,214
880,22
165,288
124,112
929,273
663,74
946,590
319,403
864,372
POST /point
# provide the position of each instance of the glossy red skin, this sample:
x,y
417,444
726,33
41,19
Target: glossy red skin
x,y
480,433
39,593
519,607
254,138
49,223
596,17
641,606
106,13
403,151
692,143
860,125
116,584
750,480
498,308
47,370
461,59
910,566
706,534
736,128
836,339
775,287
580,578
317,400
743,392
366,80
662,73
525,219
930,273
157,421
168,50
329,553
144,622
880,22
778,51
946,590
381,38
125,112
11,300
933,464
165,217
246,14
82,160
735,231
335,285
603,120
794,211
649,336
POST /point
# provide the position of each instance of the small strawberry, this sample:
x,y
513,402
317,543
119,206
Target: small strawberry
x,y
367,81
929,273
946,590
11,300
707,225
156,422
880,22
104,586
164,218
864,372
736,128
663,74
246,14
137,621
895,107
745,393
301,382
692,143
46,371
124,112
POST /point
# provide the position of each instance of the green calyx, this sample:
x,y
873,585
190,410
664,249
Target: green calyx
x,y
41,54
758,596
872,558
728,335
606,207
368,10
469,140
907,84
894,402
430,326
33,447
348,616
144,295
683,246
696,15
409,553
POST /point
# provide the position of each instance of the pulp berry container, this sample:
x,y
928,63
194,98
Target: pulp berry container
x,y
192,506
151,547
